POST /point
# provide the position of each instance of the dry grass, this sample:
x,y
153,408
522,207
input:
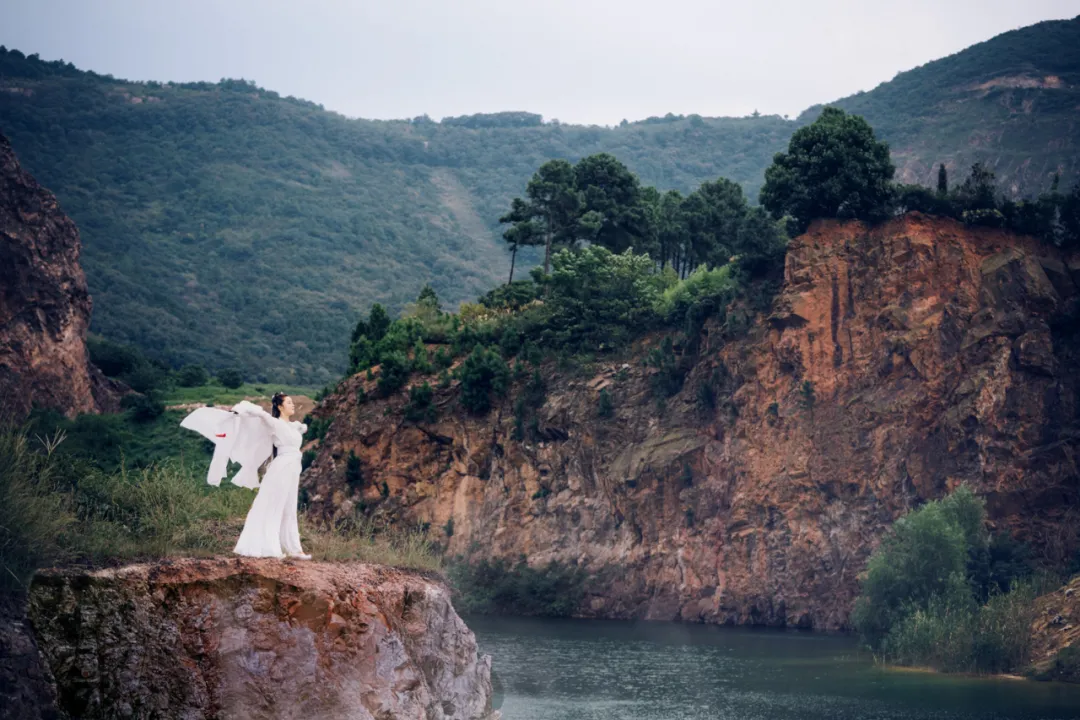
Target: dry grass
x,y
361,541
55,509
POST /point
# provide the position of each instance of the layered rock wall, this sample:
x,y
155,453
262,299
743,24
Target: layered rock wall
x,y
897,363
253,639
44,303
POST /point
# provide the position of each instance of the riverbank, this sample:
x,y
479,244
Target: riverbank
x,y
627,670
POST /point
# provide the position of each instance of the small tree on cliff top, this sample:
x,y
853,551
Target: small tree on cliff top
x,y
833,168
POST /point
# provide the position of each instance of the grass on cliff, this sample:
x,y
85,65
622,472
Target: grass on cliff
x,y
57,508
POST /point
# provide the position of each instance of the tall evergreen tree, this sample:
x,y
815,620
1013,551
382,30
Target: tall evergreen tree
x,y
942,181
834,167
613,212
525,230
554,201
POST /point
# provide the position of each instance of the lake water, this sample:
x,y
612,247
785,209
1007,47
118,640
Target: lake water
x,y
609,670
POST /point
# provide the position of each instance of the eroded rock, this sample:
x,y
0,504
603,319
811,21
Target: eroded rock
x,y
245,638
897,363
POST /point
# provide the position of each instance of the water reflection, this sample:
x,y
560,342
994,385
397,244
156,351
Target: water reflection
x,y
608,670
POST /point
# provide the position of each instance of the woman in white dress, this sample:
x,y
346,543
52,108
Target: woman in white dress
x,y
246,435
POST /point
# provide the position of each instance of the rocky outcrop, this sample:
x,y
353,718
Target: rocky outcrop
x,y
898,362
1055,642
27,690
245,638
44,303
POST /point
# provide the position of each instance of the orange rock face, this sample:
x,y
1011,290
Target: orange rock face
x,y
44,303
246,638
897,363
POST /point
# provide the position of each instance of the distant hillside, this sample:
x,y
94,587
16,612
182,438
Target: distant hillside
x,y
226,225
1012,102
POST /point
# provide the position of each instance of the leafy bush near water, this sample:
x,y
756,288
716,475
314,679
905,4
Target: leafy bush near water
x,y
940,592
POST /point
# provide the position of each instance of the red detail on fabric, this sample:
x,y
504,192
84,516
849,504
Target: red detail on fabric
x,y
220,435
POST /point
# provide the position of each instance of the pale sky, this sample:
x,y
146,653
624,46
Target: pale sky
x,y
581,61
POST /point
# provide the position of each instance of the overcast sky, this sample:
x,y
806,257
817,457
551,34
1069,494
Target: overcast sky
x,y
585,61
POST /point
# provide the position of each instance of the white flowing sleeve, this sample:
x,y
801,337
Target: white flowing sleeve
x,y
254,442
220,427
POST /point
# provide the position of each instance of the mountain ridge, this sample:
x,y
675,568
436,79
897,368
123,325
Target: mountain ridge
x,y
226,225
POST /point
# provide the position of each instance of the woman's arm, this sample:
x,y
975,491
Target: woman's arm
x,y
251,409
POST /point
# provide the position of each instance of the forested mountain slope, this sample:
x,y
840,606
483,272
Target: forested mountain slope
x,y
1012,102
226,225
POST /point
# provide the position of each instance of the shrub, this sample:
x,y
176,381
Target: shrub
x,y
703,293
484,376
231,378
354,474
922,599
443,359
143,408
317,427
598,300
393,373
192,376
512,296
605,407
983,217
420,407
308,458
518,433
807,397
510,343
670,373
922,556
113,359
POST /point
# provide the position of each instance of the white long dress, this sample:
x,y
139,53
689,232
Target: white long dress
x,y
270,529
247,435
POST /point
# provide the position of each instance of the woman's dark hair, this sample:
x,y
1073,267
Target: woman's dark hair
x,y
275,410
275,403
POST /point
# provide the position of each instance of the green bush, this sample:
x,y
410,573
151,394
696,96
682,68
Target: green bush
x,y
484,378
420,407
605,407
703,292
354,473
317,427
598,300
231,378
930,594
670,373
393,373
113,359
143,408
192,376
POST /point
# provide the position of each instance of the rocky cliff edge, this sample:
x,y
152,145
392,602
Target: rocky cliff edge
x,y
245,638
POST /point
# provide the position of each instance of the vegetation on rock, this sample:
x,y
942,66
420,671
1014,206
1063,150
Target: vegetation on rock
x,y
220,218
940,592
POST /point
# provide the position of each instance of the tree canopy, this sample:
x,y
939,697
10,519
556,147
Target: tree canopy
x,y
834,167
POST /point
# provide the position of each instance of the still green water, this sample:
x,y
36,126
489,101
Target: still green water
x,y
609,670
